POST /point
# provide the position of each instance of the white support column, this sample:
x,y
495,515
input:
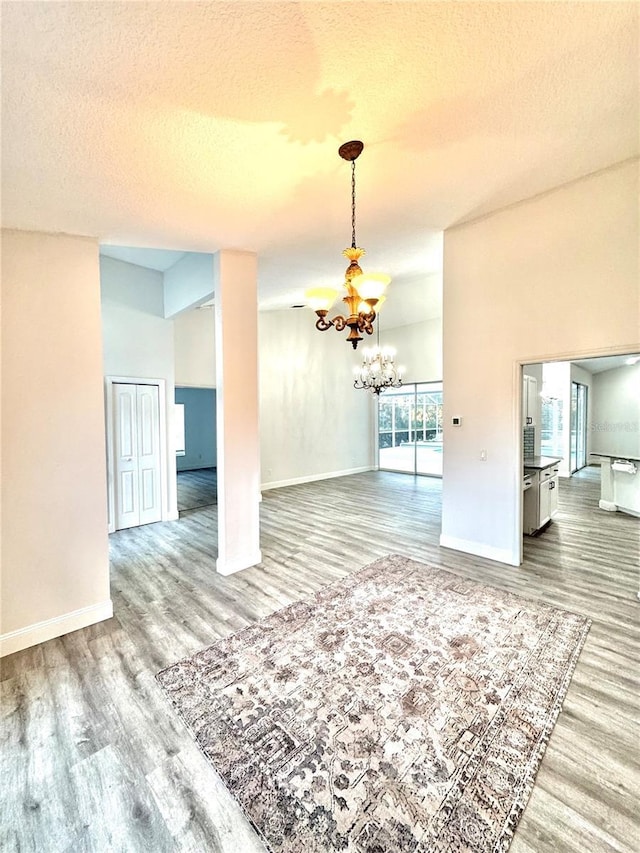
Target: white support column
x,y
607,498
238,447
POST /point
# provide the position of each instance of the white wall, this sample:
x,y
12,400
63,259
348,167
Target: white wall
x,y
615,415
188,283
312,420
552,277
138,342
290,350
55,570
418,349
195,352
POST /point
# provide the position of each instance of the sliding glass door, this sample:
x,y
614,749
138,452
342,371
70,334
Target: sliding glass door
x,y
410,429
578,447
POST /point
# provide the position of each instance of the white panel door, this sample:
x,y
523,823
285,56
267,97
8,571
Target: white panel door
x,y
137,454
126,455
148,453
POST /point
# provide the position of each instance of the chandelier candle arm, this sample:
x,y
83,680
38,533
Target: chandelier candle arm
x,y
363,292
378,370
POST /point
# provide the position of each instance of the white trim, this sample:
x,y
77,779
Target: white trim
x,y
602,352
179,385
40,632
500,555
610,506
520,364
109,381
231,566
312,478
375,421
518,426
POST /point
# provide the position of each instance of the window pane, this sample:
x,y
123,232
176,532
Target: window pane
x,y
410,429
551,427
429,444
396,449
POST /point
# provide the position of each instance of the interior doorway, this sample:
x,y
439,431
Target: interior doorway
x,y
585,415
136,424
196,457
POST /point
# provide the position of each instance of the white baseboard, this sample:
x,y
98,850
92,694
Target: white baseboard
x,y
500,555
608,505
312,478
229,567
40,632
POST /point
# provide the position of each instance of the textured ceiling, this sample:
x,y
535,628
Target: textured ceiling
x,y
198,126
608,362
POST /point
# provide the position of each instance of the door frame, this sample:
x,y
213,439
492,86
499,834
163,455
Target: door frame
x,y
586,426
109,382
518,366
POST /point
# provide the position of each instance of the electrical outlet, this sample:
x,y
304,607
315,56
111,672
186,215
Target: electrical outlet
x,y
483,455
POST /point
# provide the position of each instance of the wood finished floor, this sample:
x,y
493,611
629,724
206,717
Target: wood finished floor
x,y
93,759
197,488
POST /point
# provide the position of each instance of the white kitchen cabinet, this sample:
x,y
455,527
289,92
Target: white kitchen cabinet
x,y
553,494
547,501
529,400
541,500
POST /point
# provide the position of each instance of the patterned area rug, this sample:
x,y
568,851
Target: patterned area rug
x,y
402,710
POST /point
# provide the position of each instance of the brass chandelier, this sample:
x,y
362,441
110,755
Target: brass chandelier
x,y
364,292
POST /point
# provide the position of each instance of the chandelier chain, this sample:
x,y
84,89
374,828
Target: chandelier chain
x,y
364,294
353,204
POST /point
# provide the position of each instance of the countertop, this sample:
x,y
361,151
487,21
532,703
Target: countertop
x,y
621,456
539,463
